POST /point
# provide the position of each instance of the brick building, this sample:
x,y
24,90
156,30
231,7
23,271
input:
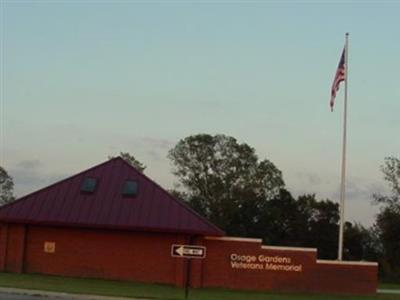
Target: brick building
x,y
111,221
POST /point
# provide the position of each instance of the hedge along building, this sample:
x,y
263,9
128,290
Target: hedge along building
x,y
111,221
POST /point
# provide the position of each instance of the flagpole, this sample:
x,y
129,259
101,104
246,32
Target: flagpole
x,y
343,175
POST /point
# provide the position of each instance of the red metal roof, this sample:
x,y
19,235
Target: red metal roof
x,y
153,209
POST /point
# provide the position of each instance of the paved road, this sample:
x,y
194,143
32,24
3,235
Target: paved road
x,y
5,296
18,294
8,296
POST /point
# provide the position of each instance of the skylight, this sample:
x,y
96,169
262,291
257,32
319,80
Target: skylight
x,y
88,185
130,188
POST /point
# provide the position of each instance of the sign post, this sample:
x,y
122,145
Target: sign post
x,y
188,252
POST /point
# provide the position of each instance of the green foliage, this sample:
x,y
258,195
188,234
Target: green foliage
x,y
391,172
224,180
361,243
129,158
227,183
322,219
388,223
281,221
137,290
6,187
388,220
305,222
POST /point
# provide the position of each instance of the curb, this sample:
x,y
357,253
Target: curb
x,y
387,291
69,296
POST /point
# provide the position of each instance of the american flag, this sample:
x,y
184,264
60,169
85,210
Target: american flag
x,y
339,77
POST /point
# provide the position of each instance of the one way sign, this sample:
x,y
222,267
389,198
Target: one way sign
x,y
188,251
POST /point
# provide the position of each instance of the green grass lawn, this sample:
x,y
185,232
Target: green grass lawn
x,y
155,291
390,286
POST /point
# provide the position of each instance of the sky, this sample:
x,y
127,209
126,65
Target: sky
x,y
82,80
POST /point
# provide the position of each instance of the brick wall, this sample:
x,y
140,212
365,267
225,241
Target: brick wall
x,y
348,277
94,253
246,264
235,263
12,247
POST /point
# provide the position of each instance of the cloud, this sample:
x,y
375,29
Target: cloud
x,y
312,178
156,148
142,143
30,164
154,155
146,149
157,142
359,200
22,177
29,175
25,172
360,189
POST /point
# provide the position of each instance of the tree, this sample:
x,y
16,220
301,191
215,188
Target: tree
x,y
361,243
321,220
281,222
391,172
388,219
388,224
6,187
129,158
224,180
301,222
